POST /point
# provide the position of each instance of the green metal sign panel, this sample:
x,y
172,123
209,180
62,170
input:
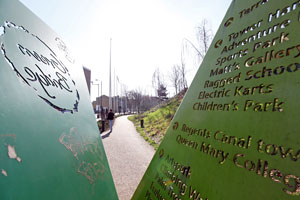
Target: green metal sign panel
x,y
50,146
236,133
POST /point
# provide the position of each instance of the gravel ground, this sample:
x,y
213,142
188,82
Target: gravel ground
x,y
128,155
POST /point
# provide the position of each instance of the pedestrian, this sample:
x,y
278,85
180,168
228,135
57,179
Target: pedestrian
x,y
110,118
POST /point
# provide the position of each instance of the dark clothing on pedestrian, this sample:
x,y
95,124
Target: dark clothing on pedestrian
x,y
110,116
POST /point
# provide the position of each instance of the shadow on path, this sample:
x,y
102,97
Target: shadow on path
x,y
106,135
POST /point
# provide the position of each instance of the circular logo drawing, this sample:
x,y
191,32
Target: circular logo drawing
x,y
39,67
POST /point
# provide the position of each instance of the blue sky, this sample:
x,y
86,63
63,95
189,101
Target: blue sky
x,y
145,34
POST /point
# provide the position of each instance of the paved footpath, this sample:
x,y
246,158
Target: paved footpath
x,y
128,156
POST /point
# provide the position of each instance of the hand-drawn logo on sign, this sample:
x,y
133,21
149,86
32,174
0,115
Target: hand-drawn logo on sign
x,y
88,153
62,46
39,67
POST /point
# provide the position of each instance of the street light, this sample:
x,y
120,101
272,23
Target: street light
x,y
101,108
100,99
97,100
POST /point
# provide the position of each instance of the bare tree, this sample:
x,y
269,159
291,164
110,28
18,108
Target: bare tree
x,y
175,77
156,79
124,98
129,104
135,99
138,97
182,76
197,50
148,102
204,36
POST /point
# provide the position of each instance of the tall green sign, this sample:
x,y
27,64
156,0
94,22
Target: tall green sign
x,y
236,134
50,147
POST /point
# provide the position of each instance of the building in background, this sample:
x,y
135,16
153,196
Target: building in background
x,y
101,106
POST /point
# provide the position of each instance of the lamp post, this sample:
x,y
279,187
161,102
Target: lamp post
x,y
110,100
101,108
97,100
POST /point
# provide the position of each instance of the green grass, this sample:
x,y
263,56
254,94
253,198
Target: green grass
x,y
156,120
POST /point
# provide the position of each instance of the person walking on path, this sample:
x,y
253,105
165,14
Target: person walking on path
x,y
110,118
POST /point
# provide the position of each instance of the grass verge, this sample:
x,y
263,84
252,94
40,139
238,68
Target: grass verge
x,y
136,121
157,120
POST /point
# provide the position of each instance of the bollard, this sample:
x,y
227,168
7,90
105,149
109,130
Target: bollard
x,y
103,126
142,123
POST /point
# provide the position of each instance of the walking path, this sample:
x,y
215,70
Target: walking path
x,y
128,156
